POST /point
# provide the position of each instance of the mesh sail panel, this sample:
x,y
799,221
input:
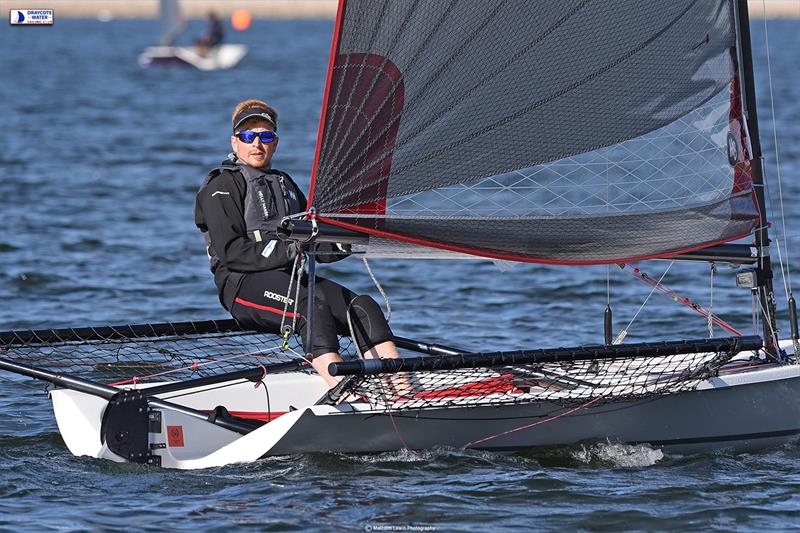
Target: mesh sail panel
x,y
574,132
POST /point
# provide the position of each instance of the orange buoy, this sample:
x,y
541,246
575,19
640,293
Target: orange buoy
x,y
241,19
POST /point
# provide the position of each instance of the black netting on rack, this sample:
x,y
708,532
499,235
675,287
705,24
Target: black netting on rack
x,y
173,350
599,380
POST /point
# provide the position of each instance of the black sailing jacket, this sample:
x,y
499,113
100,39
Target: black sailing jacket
x,y
237,246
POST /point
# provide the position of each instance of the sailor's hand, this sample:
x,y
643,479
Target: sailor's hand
x,y
344,249
330,253
296,247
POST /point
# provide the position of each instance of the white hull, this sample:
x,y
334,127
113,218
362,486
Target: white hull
x,y
220,57
742,410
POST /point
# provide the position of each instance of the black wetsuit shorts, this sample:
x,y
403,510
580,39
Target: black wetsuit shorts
x,y
262,298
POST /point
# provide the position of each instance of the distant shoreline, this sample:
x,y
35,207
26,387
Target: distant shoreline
x,y
267,9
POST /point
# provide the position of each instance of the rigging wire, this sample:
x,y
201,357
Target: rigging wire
x,y
624,332
785,273
608,267
350,309
781,247
710,317
772,333
608,316
657,285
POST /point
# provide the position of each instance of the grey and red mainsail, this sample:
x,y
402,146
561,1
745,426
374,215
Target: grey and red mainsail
x,y
573,132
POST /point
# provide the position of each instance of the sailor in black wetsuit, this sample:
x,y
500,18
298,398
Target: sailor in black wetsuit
x,y
212,37
238,209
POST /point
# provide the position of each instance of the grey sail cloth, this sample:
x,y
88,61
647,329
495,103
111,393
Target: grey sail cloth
x,y
491,86
578,240
426,96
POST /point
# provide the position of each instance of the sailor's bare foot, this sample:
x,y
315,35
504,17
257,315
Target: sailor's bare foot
x,y
320,364
399,385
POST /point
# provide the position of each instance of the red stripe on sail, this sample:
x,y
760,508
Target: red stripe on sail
x,y
742,170
508,257
368,130
337,27
367,118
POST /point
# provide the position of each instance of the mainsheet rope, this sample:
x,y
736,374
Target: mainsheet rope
x,y
350,308
285,330
380,289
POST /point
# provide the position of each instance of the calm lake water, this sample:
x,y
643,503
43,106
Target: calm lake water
x,y
100,163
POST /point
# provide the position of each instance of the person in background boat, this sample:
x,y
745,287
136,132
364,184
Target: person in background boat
x,y
212,37
238,209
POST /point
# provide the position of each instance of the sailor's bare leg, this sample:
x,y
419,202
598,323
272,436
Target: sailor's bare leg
x,y
384,350
320,364
400,383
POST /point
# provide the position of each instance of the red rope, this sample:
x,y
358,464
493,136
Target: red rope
x,y
400,437
261,382
193,366
635,272
587,404
136,379
394,424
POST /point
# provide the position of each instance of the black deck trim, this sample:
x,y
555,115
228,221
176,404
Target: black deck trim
x,y
724,438
659,443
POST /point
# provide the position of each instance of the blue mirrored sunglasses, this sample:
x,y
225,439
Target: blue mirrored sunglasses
x,y
249,136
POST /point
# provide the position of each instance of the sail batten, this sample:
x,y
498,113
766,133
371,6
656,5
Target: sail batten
x,y
491,127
